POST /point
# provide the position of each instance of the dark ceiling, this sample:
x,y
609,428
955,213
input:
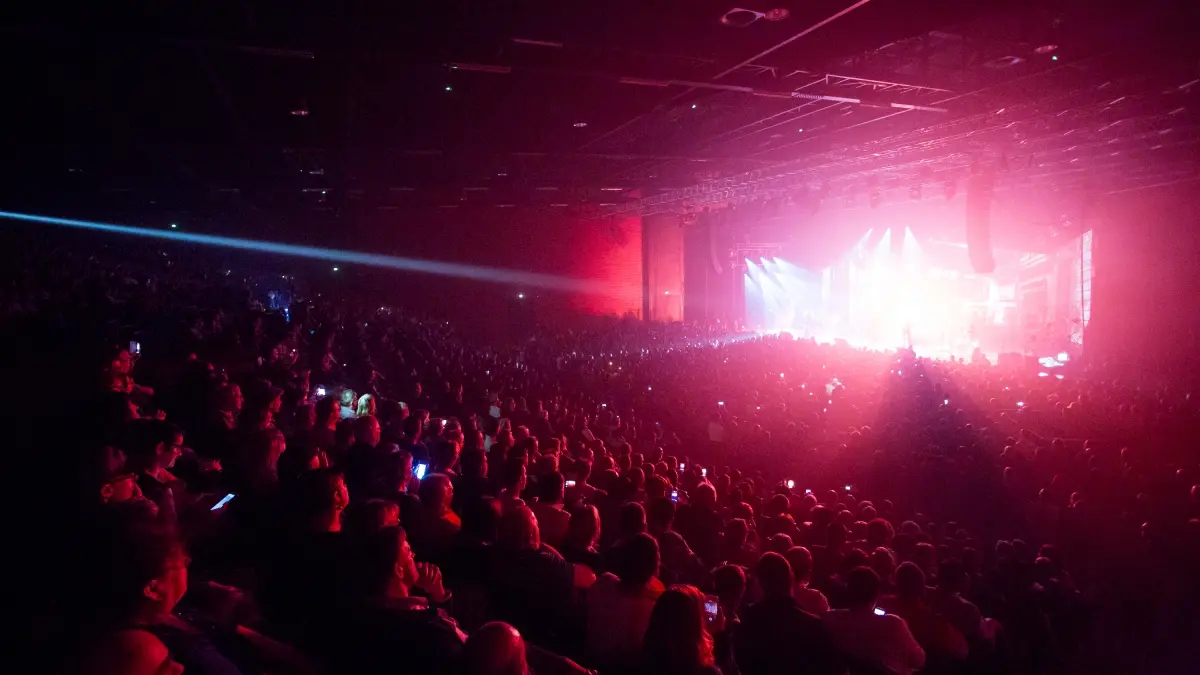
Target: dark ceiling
x,y
279,104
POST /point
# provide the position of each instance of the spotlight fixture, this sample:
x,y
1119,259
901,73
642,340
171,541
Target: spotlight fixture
x,y
740,17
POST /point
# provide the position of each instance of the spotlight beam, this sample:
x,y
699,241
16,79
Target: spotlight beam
x,y
446,269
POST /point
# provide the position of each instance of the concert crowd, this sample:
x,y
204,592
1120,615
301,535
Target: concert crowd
x,y
227,478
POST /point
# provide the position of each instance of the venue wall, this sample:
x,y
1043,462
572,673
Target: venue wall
x,y
607,254
662,242
1146,297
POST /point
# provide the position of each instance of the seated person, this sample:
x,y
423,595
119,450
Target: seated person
x,y
869,638
619,605
776,635
531,586
380,626
438,524
141,575
127,652
810,599
936,636
552,517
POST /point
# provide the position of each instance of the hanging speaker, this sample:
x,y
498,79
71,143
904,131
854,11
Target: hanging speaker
x,y
979,228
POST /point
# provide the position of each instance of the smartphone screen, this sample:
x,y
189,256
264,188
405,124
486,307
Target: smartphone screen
x,y
808,491
674,495
569,484
710,607
221,504
849,487
419,470
135,347
704,473
879,612
791,483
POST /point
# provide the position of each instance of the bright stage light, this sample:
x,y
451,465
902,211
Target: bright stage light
x,y
446,269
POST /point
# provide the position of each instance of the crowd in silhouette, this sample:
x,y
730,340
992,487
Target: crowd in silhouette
x,y
226,483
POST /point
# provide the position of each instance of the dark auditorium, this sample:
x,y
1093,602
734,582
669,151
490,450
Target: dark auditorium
x,y
845,337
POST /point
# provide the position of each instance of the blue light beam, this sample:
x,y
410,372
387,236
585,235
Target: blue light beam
x,y
446,269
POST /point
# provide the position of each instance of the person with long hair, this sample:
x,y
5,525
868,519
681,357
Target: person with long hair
x,y
366,406
325,428
677,640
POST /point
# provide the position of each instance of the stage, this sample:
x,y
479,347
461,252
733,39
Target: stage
x,y
890,291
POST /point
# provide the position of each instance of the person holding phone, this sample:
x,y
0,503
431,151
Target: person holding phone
x,y
552,516
867,637
940,640
679,638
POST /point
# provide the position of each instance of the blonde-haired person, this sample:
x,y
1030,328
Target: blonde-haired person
x,y
366,406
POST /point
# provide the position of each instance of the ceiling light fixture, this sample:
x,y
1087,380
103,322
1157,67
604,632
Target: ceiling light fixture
x,y
740,17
